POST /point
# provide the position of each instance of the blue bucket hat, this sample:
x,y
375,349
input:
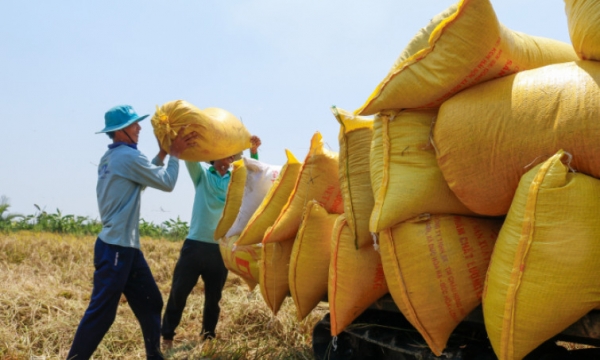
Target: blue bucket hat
x,y
120,117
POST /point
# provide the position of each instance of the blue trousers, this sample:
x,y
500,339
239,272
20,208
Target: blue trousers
x,y
197,259
119,270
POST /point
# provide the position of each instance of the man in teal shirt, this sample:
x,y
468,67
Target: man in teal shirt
x,y
120,266
200,255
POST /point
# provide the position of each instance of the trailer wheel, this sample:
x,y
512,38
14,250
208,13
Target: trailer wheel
x,y
346,346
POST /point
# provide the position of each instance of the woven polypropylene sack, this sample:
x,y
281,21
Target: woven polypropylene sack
x,y
543,274
273,273
356,278
583,18
488,136
435,268
318,180
241,260
260,177
405,176
273,203
463,46
221,134
355,137
309,263
233,199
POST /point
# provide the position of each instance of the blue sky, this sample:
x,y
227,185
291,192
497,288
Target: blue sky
x,y
278,65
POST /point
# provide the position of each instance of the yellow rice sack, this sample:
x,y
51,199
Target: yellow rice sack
x,y
543,275
356,278
241,260
354,172
583,18
488,136
221,133
233,199
273,273
309,263
273,203
435,268
463,46
405,176
318,180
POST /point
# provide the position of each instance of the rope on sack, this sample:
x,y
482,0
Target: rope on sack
x,y
431,141
569,159
568,163
392,114
164,121
334,343
535,161
375,244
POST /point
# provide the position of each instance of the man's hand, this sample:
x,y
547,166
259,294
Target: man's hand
x,y
161,152
255,141
182,143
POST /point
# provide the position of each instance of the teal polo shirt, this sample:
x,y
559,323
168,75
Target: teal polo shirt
x,y
209,200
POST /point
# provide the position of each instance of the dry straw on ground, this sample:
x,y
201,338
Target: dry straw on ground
x,y
46,286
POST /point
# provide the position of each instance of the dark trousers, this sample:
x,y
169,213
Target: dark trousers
x,y
119,270
197,259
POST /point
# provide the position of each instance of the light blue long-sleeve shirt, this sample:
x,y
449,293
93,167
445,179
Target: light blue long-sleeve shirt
x,y
122,175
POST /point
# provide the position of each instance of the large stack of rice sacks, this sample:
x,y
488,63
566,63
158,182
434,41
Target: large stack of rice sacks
x,y
468,177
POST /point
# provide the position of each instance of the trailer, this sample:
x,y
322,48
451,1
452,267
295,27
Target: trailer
x,y
382,332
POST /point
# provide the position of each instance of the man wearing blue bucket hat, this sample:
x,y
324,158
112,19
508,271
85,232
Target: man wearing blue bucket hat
x,y
120,266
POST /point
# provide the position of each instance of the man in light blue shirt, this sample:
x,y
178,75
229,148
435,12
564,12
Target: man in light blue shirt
x,y
120,266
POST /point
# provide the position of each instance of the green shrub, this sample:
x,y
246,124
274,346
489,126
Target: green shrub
x,y
43,221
